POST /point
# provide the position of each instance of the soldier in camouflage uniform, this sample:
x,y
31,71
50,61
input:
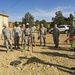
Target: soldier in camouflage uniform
x,y
27,33
33,31
56,34
16,34
23,36
6,34
42,34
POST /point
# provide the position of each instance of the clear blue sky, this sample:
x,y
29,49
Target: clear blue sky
x,y
40,9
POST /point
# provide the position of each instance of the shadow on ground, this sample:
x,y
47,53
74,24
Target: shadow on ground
x,y
15,63
59,49
3,50
37,60
3,46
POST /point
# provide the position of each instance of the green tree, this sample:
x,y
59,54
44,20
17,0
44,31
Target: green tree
x,y
71,18
20,22
15,23
28,18
59,18
52,24
37,22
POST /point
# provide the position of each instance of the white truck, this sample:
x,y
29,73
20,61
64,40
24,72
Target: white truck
x,y
62,28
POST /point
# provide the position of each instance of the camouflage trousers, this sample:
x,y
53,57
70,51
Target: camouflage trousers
x,y
56,41
26,42
8,43
33,37
43,39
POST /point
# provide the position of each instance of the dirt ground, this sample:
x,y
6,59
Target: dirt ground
x,y
43,61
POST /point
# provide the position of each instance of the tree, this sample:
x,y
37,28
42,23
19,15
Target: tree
x,y
37,22
59,18
15,23
52,24
20,22
71,18
28,18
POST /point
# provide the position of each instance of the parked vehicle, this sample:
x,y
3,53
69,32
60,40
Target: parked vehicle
x,y
62,29
50,30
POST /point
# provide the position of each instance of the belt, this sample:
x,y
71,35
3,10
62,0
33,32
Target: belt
x,y
26,35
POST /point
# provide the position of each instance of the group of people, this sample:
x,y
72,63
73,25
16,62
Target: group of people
x,y
26,33
70,34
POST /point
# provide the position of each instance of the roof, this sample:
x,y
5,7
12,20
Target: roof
x,y
1,14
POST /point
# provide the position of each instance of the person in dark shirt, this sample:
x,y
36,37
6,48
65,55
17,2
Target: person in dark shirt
x,y
71,32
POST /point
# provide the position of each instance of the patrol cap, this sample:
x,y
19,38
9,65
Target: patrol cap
x,y
4,25
27,24
55,25
41,24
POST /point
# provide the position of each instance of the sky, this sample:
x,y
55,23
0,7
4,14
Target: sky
x,y
40,9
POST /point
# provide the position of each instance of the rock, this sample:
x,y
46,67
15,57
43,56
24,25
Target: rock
x,y
33,69
52,67
48,66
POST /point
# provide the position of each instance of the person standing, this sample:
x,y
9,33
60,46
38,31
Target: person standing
x,y
23,36
27,33
56,34
33,31
42,34
7,36
16,35
71,32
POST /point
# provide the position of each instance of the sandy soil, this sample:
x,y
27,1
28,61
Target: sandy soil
x,y
43,61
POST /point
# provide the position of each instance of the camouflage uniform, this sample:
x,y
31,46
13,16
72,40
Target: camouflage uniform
x,y
27,33
42,34
16,34
23,35
56,34
6,33
33,31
